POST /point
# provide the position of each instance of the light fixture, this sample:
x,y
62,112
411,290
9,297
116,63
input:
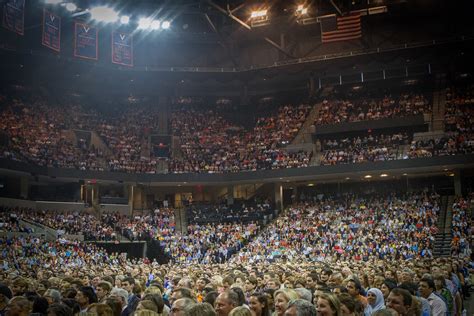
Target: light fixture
x,y
405,174
124,19
368,176
144,23
155,25
384,175
451,174
258,14
301,10
71,7
53,1
311,184
104,14
347,178
165,25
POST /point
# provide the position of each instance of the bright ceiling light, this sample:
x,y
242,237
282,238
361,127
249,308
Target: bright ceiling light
x,y
155,25
301,10
144,23
368,176
384,175
104,14
53,1
165,25
71,7
258,14
124,19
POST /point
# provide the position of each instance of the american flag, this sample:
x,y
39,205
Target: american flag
x,y
341,28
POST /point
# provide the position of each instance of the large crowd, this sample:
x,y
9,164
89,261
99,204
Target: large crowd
x,y
239,211
459,137
461,227
346,255
212,144
358,108
38,132
92,227
363,149
350,228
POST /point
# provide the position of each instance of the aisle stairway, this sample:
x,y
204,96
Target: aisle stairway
x,y
442,243
439,103
305,133
181,220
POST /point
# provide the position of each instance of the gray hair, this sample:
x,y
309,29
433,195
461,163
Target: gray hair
x,y
303,307
54,294
385,312
116,291
201,309
186,303
304,294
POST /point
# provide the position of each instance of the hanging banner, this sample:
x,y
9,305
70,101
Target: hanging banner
x,y
14,16
122,48
51,31
86,41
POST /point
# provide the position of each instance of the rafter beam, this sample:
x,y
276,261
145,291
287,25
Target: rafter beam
x,y
269,41
222,40
230,15
248,27
237,8
336,7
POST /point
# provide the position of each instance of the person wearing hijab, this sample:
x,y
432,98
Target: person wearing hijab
x,y
375,301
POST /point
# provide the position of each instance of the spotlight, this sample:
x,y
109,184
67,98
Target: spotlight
x,y
259,18
368,176
53,1
144,23
71,7
258,14
165,25
104,14
155,25
124,19
301,10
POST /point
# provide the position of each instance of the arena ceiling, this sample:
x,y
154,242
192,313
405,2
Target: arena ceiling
x,y
211,34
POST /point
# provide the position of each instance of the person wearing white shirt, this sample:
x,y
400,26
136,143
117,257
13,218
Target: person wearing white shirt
x,y
427,289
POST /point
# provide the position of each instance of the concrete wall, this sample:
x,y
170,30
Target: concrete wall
x,y
73,237
18,234
60,206
17,203
43,205
123,209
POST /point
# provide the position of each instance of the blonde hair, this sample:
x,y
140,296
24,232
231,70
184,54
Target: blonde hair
x,y
333,301
240,311
289,294
152,290
100,309
145,312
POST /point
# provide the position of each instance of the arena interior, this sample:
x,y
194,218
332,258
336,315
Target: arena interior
x,y
241,158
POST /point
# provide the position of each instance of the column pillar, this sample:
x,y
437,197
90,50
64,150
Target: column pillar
x,y
278,196
312,86
131,193
24,187
457,183
230,194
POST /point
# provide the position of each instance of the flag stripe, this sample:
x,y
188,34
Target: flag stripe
x,y
347,27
